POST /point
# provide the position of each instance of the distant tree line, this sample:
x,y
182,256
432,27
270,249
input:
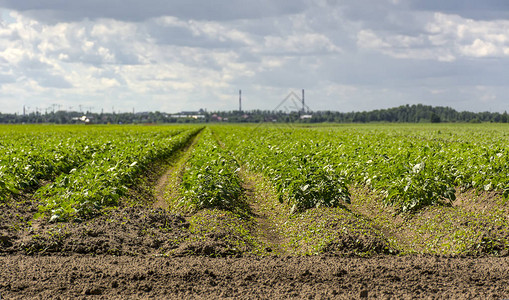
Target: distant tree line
x,y
403,114
411,114
66,117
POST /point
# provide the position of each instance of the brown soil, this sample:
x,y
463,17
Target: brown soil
x,y
267,232
476,201
137,252
14,217
125,231
160,189
166,186
317,277
475,224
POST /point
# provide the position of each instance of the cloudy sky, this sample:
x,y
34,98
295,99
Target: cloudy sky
x,y
167,55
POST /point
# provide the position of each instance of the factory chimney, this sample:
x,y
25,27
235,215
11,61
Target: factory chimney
x,y
303,104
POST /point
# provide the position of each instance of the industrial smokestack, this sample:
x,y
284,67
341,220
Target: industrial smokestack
x,y
240,100
303,104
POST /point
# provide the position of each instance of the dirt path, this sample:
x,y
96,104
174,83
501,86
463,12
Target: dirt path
x,y
257,197
267,230
167,185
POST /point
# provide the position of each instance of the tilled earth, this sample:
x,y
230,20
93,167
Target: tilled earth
x,y
315,277
136,252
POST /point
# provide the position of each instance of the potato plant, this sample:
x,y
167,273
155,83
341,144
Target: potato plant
x,y
411,166
114,165
211,177
27,159
302,173
77,170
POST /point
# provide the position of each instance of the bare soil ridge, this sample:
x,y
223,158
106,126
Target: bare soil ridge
x,y
475,224
316,277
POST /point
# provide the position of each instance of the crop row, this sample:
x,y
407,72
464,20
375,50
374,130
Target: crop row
x,y
105,177
28,158
211,178
86,168
411,168
302,173
82,169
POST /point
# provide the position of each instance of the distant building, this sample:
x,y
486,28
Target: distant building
x,y
215,117
83,119
190,114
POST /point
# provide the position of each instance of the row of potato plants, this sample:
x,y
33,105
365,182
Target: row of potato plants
x,y
29,157
33,155
211,177
301,171
416,168
411,167
115,164
410,174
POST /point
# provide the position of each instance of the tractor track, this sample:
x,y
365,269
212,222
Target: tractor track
x,y
166,187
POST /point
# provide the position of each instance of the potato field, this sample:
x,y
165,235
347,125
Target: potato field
x,y
254,211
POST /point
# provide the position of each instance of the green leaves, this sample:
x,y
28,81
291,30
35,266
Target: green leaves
x,y
301,172
109,164
92,167
211,177
412,166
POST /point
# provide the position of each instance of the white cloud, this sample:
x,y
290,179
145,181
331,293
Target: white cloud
x,y
445,38
166,56
469,37
480,48
404,47
308,43
368,39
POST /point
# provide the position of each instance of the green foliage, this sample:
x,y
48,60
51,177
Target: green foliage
x,y
420,186
104,178
82,169
29,157
403,114
413,166
302,173
89,167
211,177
